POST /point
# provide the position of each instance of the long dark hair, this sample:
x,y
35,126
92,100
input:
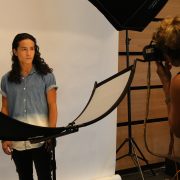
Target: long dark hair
x,y
38,62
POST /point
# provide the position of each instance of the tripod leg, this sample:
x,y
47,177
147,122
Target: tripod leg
x,y
121,145
136,160
142,156
133,156
122,157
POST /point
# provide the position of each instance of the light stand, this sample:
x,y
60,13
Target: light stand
x,y
132,146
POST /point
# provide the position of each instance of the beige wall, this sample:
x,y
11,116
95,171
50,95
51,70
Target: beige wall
x,y
157,133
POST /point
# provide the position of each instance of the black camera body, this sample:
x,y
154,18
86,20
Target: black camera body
x,y
152,53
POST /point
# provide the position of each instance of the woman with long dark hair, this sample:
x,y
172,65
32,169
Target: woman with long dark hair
x,y
29,95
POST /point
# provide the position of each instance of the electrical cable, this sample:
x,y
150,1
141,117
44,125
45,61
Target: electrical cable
x,y
147,113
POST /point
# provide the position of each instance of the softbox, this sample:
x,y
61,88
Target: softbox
x,y
129,14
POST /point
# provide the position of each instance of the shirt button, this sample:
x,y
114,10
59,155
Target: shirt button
x,y
24,88
24,100
25,110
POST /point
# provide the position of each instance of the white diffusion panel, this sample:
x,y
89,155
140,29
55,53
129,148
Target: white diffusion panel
x,y
104,98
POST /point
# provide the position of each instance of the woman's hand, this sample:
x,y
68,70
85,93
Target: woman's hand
x,y
7,147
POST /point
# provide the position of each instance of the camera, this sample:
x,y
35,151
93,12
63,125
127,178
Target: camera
x,y
152,52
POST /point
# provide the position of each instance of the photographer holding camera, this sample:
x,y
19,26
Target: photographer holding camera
x,y
167,40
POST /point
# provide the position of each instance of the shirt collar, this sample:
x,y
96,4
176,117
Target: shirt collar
x,y
33,70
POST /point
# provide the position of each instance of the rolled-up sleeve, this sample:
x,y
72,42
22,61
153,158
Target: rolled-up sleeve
x,y
50,81
3,87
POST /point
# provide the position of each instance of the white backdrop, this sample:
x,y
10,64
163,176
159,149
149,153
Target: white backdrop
x,y
81,46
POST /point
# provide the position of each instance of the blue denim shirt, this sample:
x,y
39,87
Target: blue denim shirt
x,y
27,101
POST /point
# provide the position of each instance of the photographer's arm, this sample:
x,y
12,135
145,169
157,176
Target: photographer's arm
x,y
171,90
164,74
174,113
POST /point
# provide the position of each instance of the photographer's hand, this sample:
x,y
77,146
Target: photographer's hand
x,y
163,72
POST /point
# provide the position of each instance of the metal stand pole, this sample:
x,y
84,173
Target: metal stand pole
x,y
132,144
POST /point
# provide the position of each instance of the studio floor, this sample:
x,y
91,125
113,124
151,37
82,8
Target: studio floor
x,y
147,175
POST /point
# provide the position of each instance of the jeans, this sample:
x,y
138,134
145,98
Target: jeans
x,y
24,163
